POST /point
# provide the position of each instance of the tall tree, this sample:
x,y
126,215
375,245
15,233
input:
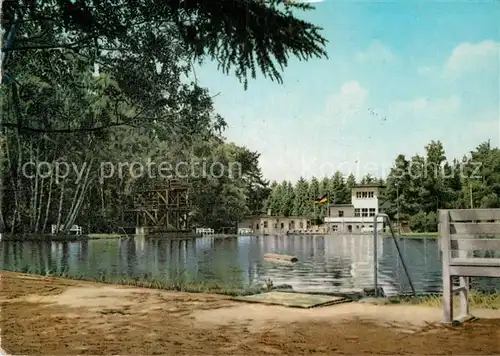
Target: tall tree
x,y
368,179
302,201
314,210
433,193
339,190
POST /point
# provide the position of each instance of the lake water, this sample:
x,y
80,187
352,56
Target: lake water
x,y
326,263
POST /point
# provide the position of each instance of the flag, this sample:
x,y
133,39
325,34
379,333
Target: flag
x,y
322,200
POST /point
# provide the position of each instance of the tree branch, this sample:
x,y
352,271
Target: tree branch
x,y
91,129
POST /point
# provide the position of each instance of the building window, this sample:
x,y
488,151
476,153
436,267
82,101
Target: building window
x,y
341,213
256,226
335,228
372,211
301,225
250,226
282,225
358,195
357,213
370,194
364,212
365,194
265,224
292,224
275,226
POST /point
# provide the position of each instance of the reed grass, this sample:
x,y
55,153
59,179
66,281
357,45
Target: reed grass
x,y
43,237
419,235
177,284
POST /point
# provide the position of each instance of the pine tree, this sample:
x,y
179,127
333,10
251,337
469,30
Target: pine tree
x,y
288,198
239,35
314,189
339,192
302,202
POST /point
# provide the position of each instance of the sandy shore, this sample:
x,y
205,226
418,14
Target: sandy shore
x,y
62,317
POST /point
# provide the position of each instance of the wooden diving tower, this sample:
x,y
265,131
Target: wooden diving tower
x,y
164,207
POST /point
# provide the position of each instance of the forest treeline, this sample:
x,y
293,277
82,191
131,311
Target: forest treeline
x,y
143,103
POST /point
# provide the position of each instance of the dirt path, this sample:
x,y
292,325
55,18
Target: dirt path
x,y
63,317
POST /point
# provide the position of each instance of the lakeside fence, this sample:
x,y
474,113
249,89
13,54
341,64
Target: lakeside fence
x,y
470,245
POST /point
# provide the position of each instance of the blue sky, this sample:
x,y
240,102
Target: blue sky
x,y
399,75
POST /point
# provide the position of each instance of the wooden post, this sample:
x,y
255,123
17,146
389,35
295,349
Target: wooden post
x,y
458,233
444,220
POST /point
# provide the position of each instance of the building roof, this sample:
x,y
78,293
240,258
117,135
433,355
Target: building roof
x,y
265,216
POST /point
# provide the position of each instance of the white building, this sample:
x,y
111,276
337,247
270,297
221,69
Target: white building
x,y
358,216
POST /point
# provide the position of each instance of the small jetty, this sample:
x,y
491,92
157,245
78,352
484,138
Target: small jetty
x,y
293,300
275,256
245,231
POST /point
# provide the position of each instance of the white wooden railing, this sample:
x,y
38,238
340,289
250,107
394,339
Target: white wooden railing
x,y
75,228
245,231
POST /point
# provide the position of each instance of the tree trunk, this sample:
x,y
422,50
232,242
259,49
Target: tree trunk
x,y
76,209
72,207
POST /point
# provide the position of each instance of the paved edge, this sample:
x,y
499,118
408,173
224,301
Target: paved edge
x,y
2,351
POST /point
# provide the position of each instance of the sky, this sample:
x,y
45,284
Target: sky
x,y
399,74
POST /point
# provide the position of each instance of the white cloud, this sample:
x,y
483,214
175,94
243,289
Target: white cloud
x,y
473,56
303,1
375,52
345,104
423,107
421,120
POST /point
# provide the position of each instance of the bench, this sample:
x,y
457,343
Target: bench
x,y
245,231
463,234
75,228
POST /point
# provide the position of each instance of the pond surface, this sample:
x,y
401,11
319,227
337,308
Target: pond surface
x,y
326,263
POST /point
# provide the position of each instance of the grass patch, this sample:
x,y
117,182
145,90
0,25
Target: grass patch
x,y
477,299
178,284
104,236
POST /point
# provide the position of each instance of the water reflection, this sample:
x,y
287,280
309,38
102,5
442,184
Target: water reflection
x,y
326,263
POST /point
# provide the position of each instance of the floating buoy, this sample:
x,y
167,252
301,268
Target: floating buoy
x,y
274,256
